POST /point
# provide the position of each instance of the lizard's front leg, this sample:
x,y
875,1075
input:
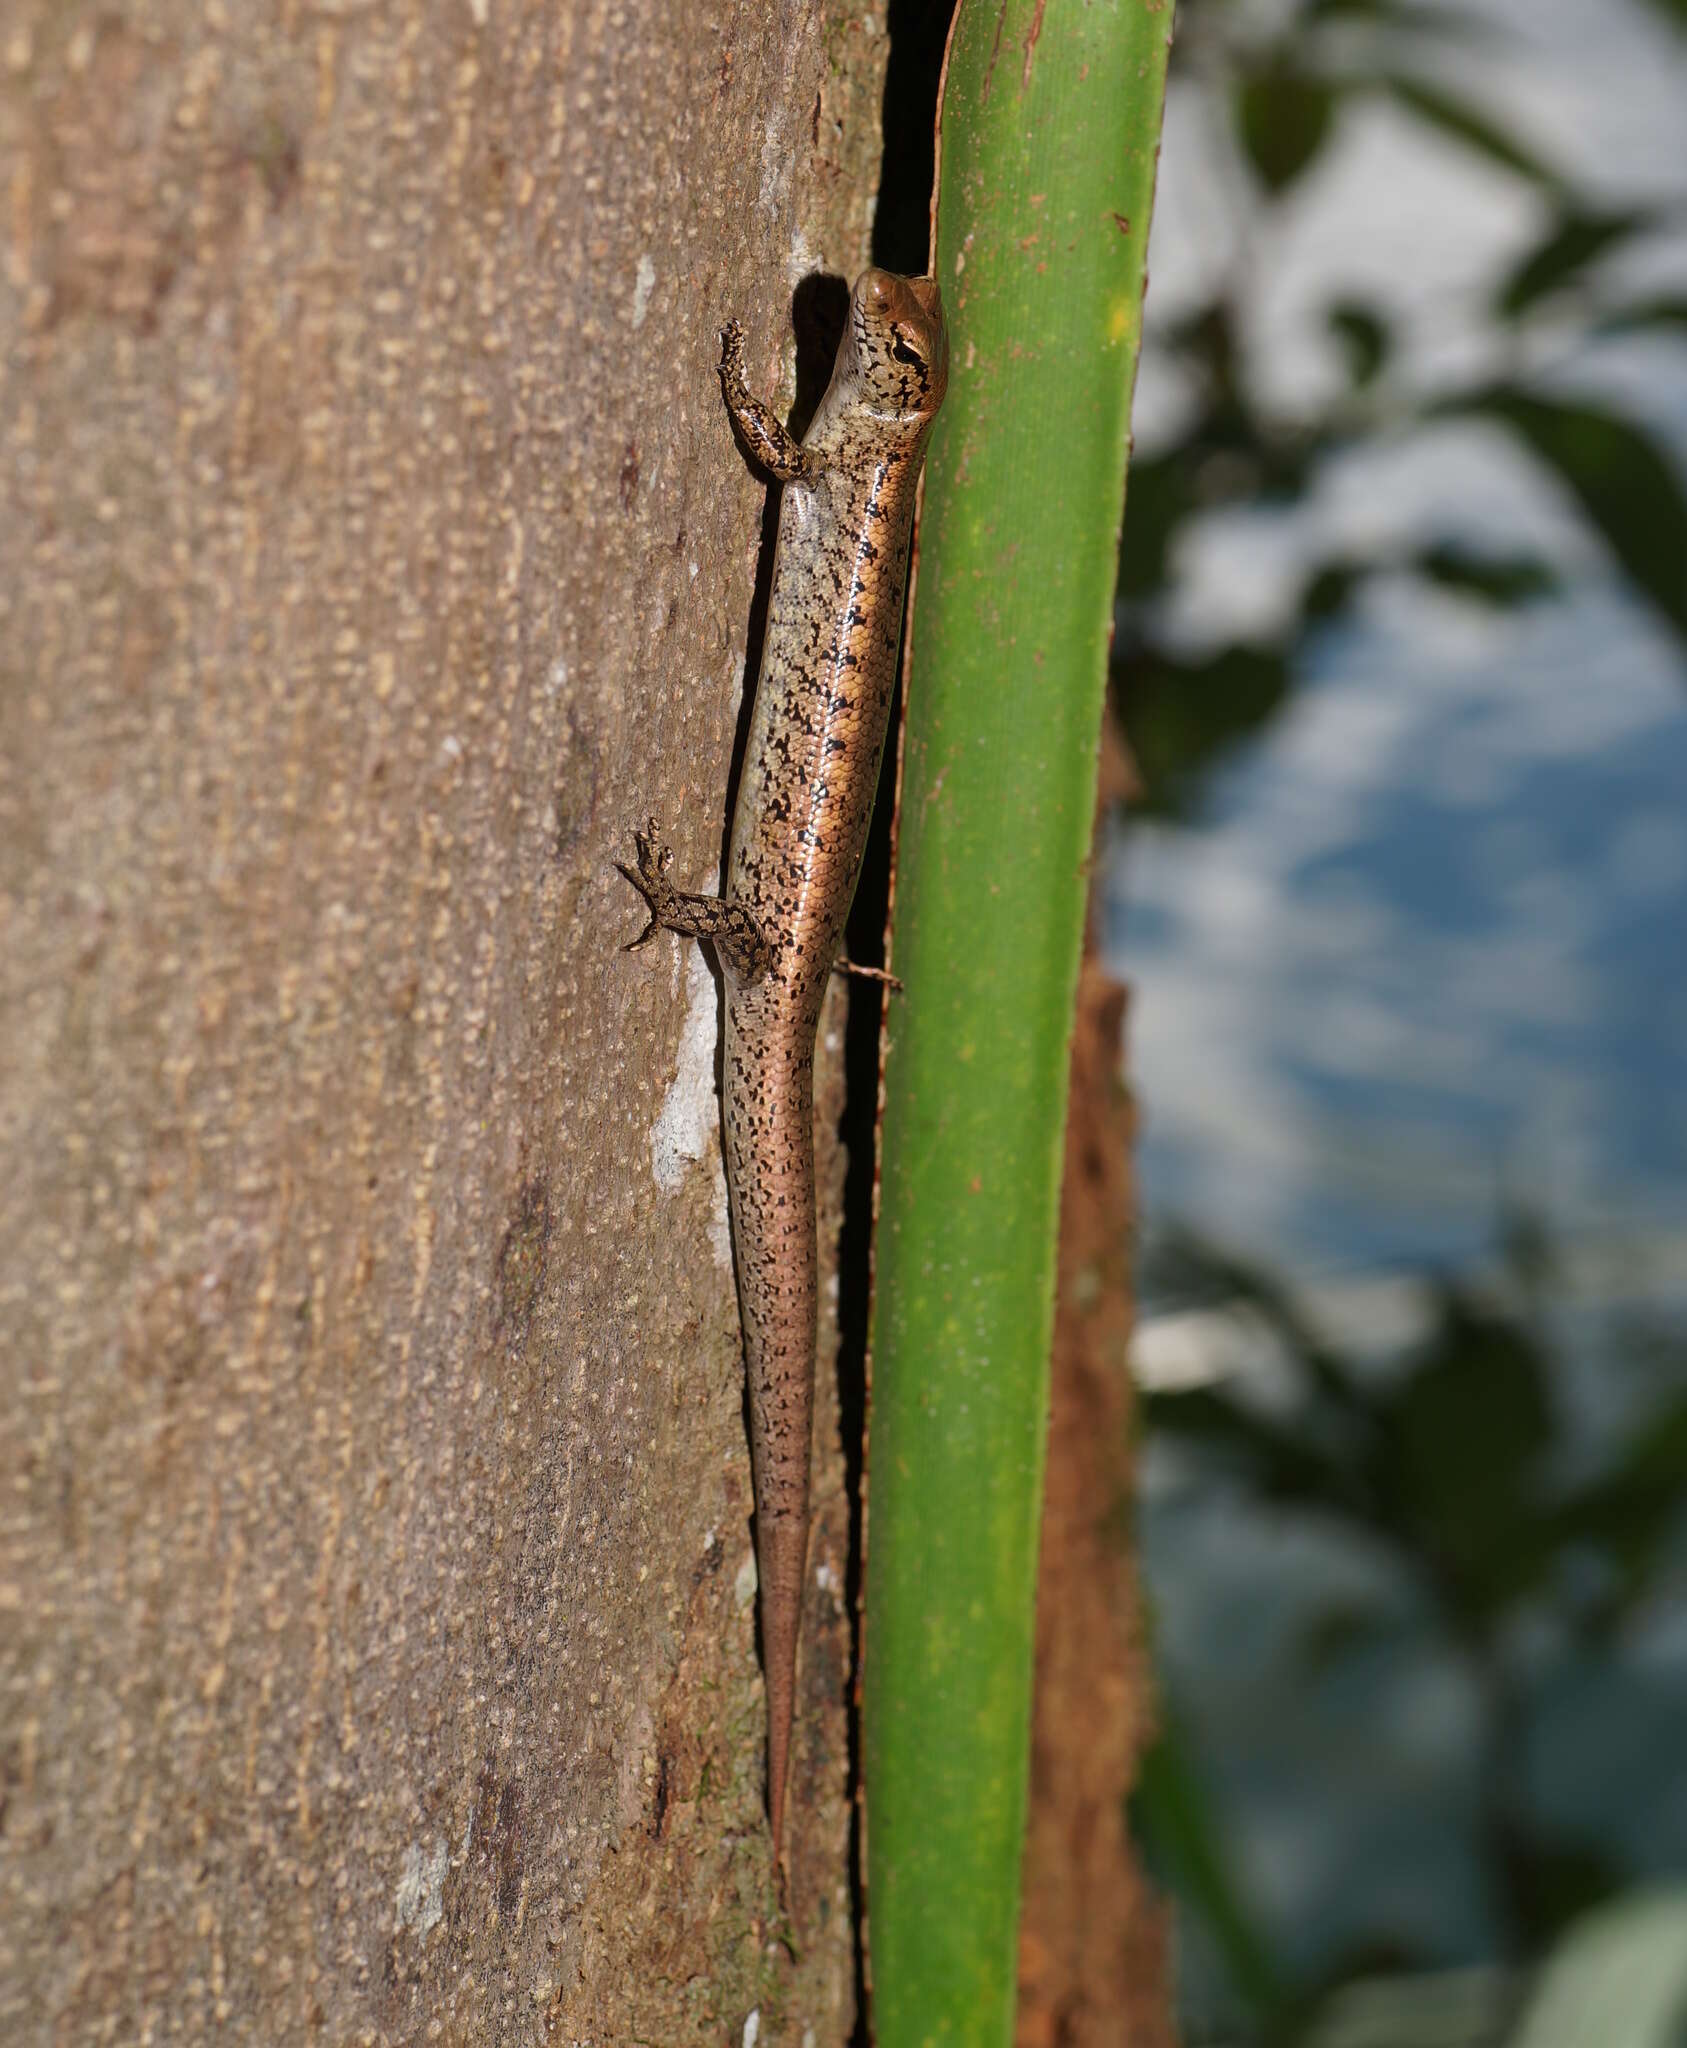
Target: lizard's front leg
x,y
737,937
772,444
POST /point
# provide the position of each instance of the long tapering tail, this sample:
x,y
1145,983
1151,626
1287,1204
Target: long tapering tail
x,y
782,1551
768,1085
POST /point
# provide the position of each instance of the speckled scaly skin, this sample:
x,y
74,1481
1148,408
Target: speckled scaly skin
x,y
804,803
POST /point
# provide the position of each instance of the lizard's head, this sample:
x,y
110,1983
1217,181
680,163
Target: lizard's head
x,y
900,344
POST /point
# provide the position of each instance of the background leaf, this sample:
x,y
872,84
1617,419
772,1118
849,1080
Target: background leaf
x,y
1470,125
1173,1818
1633,1509
1576,240
1495,579
1616,473
1276,1462
1364,334
1673,11
1283,117
1667,310
1459,1451
1184,717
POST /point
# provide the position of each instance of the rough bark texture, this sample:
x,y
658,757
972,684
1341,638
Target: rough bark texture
x,y
377,1648
1093,1962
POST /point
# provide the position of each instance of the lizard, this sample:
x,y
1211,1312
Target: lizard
x,y
799,830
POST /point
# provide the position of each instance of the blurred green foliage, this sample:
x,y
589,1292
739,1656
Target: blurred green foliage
x,y
1287,75
1455,1462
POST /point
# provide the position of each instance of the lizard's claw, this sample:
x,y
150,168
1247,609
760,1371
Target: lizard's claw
x,y
651,929
654,859
648,878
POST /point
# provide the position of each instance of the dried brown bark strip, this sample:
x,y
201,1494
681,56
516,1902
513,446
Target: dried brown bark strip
x,y
1093,1957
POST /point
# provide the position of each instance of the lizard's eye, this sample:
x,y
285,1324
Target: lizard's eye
x,y
903,349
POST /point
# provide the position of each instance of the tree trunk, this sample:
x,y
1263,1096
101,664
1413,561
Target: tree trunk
x,y
377,1632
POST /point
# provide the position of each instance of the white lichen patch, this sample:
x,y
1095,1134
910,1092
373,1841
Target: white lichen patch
x,y
752,2027
688,1122
686,1132
744,1583
644,283
419,1902
800,259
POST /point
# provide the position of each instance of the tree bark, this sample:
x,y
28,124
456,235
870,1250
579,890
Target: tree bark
x,y
377,1634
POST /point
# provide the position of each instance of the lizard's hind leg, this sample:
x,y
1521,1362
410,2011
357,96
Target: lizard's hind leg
x,y
736,936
